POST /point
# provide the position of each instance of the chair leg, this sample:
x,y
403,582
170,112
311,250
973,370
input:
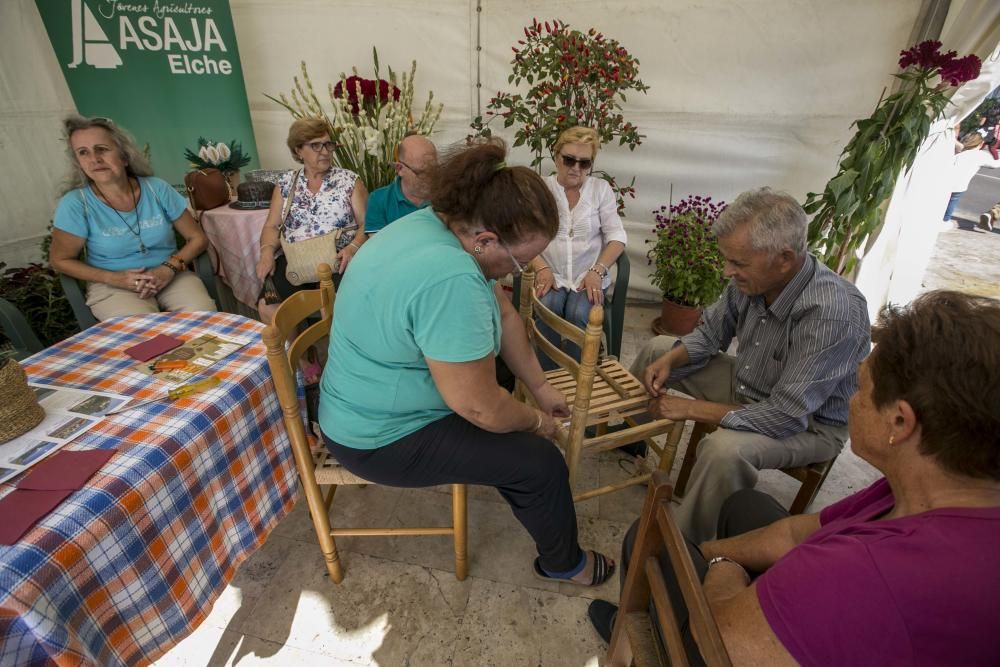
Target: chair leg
x,y
690,457
459,516
670,447
329,496
810,487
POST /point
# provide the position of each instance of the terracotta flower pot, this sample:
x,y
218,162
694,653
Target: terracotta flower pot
x,y
675,319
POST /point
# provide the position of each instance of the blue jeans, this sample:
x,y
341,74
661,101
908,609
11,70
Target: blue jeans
x,y
572,306
952,203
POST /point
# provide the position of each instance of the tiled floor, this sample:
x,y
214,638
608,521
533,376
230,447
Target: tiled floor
x,y
400,603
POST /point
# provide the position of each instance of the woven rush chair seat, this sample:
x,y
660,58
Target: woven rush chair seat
x,y
597,391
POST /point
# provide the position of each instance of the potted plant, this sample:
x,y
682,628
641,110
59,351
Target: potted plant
x,y
687,264
367,119
227,158
575,78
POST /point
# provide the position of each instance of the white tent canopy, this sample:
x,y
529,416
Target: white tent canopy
x,y
743,93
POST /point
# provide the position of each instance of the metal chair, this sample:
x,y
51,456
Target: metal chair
x,y
597,391
318,468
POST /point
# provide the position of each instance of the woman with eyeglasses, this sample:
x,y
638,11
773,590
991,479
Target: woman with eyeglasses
x,y
324,199
410,396
572,274
125,218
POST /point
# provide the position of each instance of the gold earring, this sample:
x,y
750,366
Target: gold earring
x,y
892,439
478,250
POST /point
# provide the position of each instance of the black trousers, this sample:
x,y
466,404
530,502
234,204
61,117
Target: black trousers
x,y
527,470
742,512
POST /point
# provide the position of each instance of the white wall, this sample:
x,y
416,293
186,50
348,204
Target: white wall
x,y
743,92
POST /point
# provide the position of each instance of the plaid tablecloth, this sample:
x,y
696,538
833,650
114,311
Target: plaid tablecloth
x,y
129,565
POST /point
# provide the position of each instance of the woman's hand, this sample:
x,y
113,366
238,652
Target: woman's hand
x,y
548,429
543,281
265,265
591,284
133,280
345,256
157,278
550,400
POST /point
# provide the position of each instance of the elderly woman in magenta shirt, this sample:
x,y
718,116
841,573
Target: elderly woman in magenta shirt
x,y
572,274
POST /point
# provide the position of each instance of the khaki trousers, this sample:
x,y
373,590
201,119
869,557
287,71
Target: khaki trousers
x,y
730,460
185,292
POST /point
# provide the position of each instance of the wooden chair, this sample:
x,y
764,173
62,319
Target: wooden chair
x,y
319,468
634,635
614,316
812,476
598,391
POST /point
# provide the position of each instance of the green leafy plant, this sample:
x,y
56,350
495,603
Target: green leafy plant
x,y
575,78
35,291
367,118
850,207
687,264
224,157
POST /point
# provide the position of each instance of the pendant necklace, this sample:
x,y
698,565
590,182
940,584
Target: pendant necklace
x,y
135,208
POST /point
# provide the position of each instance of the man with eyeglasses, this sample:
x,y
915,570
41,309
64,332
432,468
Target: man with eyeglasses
x,y
415,155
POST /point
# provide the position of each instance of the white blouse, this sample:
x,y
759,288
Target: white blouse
x,y
583,231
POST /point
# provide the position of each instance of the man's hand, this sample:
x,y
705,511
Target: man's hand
x,y
676,408
656,374
550,400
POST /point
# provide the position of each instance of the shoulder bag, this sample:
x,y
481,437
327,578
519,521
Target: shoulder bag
x,y
207,189
304,256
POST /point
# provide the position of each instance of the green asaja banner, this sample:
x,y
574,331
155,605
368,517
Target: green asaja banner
x,y
169,72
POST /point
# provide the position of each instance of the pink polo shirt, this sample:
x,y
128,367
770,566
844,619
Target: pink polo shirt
x,y
919,590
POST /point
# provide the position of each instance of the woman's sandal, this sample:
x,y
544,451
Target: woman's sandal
x,y
604,567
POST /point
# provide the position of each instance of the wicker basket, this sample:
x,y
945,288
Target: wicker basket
x,y
19,408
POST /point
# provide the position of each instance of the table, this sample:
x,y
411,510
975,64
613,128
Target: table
x,y
235,237
126,567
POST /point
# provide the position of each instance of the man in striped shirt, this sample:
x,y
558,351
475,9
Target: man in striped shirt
x,y
782,400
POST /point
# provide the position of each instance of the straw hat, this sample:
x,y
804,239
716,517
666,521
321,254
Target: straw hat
x,y
19,408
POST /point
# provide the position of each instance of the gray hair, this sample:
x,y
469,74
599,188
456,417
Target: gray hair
x,y
776,220
136,163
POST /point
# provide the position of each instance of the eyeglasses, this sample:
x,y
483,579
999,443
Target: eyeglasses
x,y
570,161
418,172
518,267
317,146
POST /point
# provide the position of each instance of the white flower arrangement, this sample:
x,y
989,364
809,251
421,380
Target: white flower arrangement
x,y
367,119
224,157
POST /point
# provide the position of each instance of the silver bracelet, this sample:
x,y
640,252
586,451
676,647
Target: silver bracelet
x,y
538,426
727,559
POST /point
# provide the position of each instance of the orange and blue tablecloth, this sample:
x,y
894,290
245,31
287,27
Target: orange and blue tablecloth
x,y
129,565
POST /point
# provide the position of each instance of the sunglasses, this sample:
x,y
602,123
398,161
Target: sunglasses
x,y
317,146
570,162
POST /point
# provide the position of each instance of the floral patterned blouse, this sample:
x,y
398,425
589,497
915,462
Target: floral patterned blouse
x,y
323,212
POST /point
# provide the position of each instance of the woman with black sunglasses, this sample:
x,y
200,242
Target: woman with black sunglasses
x,y
572,275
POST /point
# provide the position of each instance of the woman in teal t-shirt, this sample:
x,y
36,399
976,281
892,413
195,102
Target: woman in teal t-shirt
x,y
125,218
409,396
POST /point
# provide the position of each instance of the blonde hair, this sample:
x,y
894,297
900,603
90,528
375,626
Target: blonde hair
x,y
136,163
973,141
579,135
304,129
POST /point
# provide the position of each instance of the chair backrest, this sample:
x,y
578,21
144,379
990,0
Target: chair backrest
x,y
294,311
18,331
645,581
589,342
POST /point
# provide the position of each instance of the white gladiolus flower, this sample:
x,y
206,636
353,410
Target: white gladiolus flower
x,y
371,140
213,154
224,151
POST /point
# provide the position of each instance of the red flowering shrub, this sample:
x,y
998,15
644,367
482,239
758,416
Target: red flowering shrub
x,y
575,78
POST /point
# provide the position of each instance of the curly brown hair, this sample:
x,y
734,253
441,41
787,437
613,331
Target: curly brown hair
x,y
473,186
941,354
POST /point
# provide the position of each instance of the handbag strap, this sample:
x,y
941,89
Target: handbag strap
x,y
288,202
